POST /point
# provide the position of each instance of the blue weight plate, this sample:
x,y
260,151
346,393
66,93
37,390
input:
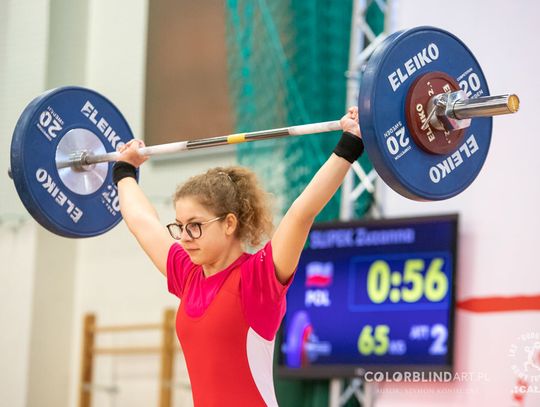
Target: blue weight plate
x,y
67,202
403,165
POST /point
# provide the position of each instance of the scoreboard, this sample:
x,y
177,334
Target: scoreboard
x,y
375,295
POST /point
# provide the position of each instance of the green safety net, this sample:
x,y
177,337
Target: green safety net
x,y
287,63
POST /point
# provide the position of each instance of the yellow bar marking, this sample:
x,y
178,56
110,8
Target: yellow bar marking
x,y
236,138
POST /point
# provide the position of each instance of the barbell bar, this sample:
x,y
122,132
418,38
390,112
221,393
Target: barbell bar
x,y
462,109
80,159
425,116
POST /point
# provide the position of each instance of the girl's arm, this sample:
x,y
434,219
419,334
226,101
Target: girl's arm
x,y
291,234
139,214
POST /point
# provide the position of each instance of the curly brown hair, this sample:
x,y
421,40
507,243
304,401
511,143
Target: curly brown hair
x,y
236,190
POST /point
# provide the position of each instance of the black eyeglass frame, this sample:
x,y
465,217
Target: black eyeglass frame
x,y
188,226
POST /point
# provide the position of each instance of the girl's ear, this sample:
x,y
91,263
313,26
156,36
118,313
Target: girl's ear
x,y
231,224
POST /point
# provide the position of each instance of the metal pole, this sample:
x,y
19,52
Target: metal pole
x,y
353,88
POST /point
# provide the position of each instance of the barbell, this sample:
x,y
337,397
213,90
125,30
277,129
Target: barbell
x,y
425,116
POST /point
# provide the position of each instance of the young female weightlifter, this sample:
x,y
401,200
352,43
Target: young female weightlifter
x,y
232,302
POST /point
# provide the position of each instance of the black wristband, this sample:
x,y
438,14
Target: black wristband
x,y
121,170
349,147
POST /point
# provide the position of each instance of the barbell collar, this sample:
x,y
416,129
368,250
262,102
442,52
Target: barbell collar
x,y
442,107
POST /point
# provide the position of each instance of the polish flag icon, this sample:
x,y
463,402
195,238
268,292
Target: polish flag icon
x,y
319,274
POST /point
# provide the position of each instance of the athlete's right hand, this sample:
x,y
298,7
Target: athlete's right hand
x,y
129,153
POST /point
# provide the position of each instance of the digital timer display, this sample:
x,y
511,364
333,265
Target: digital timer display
x,y
377,294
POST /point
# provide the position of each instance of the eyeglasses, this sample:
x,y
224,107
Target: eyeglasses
x,y
193,229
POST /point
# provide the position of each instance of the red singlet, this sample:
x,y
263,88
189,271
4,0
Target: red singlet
x,y
226,324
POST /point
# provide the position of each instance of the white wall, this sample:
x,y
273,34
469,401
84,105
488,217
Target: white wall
x,y
17,244
23,50
499,221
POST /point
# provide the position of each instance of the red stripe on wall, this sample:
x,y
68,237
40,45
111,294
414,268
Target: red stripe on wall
x,y
501,304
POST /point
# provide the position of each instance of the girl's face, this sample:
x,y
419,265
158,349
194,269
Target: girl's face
x,y
215,236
